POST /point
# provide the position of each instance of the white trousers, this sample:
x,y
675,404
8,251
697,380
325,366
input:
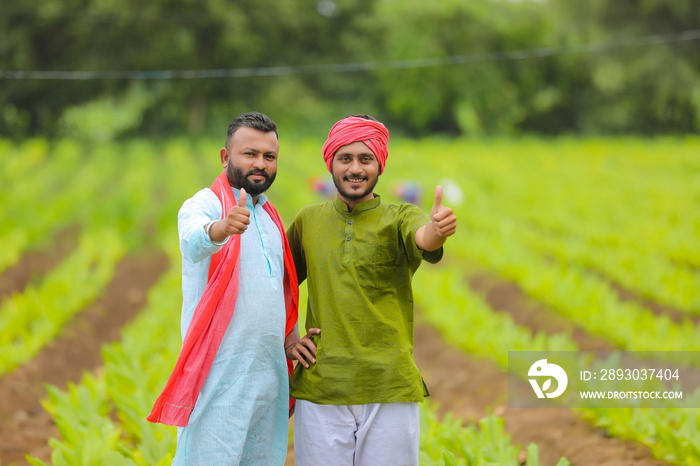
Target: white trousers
x,y
377,434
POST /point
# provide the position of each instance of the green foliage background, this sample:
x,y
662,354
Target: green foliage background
x,y
643,89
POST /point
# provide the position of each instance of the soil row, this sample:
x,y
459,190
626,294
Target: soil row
x,y
471,388
25,426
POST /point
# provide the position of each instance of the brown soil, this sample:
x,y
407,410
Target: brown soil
x,y
471,388
24,425
505,296
677,315
36,264
584,444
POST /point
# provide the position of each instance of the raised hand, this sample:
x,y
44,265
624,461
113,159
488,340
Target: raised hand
x,y
238,218
235,223
442,218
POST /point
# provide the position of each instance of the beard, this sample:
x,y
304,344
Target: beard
x,y
238,179
354,195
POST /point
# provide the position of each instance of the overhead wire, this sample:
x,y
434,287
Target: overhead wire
x,y
654,39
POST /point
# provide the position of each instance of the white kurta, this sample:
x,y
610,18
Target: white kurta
x,y
241,414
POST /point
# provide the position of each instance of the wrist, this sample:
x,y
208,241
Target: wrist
x,y
215,235
435,230
287,348
431,239
207,230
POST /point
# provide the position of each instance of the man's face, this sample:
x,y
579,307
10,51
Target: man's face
x,y
355,172
250,159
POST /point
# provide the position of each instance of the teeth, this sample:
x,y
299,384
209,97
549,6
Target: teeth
x,y
355,180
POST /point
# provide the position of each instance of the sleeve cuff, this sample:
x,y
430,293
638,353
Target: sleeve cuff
x,y
432,257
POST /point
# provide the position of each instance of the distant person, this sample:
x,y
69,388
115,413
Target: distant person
x,y
325,188
229,391
357,385
407,191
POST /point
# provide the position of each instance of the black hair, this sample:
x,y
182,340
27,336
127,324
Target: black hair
x,y
365,116
255,120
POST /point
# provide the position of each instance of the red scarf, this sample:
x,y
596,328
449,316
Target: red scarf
x,y
212,316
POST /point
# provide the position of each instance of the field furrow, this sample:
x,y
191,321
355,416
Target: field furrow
x,y
25,426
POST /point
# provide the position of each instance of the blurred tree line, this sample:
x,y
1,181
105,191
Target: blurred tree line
x,y
489,88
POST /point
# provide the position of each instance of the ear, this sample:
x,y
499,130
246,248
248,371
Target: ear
x,y
224,156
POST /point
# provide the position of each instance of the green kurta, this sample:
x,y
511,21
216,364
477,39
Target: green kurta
x,y
359,267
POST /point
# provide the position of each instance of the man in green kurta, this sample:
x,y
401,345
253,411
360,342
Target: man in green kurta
x,y
357,385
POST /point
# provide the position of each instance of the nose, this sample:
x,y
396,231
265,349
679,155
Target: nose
x,y
259,163
355,166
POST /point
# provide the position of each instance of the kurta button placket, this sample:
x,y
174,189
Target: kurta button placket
x,y
347,249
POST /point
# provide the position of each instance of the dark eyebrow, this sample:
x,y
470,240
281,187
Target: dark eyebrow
x,y
362,154
253,149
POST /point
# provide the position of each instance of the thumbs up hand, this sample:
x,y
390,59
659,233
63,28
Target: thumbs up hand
x,y
443,223
442,218
235,223
238,218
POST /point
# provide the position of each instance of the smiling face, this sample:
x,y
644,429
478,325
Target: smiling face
x,y
250,159
355,172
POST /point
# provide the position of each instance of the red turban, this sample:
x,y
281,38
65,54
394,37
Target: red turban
x,y
353,129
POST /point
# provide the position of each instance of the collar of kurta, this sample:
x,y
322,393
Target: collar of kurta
x,y
261,199
369,204
212,316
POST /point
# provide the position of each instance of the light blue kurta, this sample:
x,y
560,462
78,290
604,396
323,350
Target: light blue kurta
x,y
241,415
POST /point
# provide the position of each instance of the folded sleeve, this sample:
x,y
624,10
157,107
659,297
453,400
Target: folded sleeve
x,y
202,208
411,218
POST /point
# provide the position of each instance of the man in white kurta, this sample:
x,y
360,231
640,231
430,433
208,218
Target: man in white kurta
x,y
241,414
